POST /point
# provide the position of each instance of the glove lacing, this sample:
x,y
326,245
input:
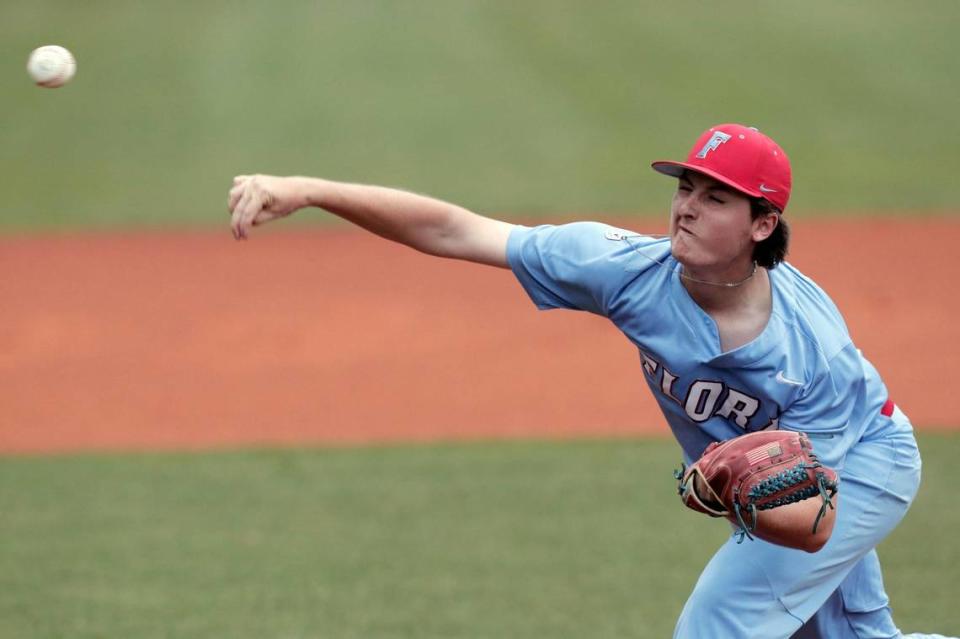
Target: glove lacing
x,y
783,481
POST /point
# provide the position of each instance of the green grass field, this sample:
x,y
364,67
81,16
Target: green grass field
x,y
498,540
531,107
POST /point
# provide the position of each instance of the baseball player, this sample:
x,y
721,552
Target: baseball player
x,y
732,339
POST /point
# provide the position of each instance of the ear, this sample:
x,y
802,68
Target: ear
x,y
764,226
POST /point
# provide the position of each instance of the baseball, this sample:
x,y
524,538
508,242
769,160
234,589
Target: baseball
x,y
51,66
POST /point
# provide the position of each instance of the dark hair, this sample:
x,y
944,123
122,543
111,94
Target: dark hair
x,y
772,250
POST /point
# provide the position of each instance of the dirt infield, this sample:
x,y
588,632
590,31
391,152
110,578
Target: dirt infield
x,y
177,340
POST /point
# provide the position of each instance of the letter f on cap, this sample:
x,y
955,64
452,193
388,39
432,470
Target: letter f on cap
x,y
718,138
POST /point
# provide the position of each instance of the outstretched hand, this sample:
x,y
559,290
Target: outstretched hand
x,y
258,199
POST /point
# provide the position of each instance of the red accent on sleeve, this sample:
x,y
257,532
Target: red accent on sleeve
x,y
887,409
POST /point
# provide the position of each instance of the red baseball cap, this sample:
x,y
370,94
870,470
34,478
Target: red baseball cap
x,y
741,157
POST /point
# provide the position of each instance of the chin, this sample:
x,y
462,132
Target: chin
x,y
679,254
682,253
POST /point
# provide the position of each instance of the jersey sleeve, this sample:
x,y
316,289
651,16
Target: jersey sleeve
x,y
826,409
579,266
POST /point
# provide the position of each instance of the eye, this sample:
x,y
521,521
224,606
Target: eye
x,y
684,187
716,199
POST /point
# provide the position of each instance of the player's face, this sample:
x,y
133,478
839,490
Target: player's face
x,y
710,224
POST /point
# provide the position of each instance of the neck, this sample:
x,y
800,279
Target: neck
x,y
727,290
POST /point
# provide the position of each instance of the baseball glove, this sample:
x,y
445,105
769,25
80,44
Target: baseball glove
x,y
757,471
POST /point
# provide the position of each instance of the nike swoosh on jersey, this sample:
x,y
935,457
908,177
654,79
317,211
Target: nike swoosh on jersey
x,y
786,380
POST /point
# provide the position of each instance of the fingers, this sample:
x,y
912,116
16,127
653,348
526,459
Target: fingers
x,y
255,200
245,211
244,203
234,197
236,191
236,215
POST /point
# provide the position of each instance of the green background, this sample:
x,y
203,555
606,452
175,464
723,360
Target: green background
x,y
510,108
532,540
521,107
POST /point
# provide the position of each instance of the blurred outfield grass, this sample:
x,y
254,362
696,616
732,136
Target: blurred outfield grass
x,y
528,539
528,107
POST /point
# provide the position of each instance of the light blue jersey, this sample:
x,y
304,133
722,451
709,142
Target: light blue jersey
x,y
801,373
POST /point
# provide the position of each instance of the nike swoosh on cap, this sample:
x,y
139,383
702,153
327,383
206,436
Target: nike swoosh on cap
x,y
767,189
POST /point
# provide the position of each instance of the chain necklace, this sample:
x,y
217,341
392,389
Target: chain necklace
x,y
721,284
